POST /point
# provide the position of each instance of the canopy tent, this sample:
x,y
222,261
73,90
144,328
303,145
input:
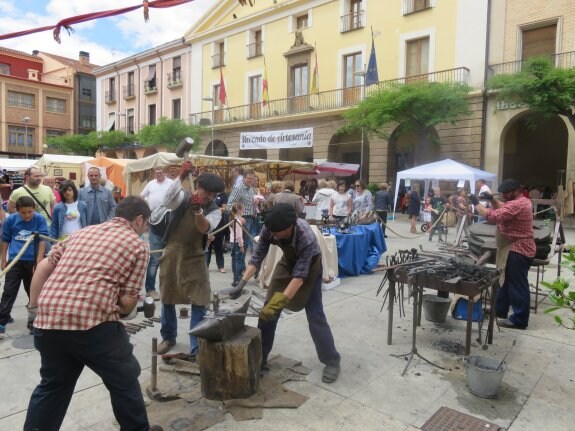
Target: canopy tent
x,y
326,169
140,169
114,171
444,170
61,165
13,165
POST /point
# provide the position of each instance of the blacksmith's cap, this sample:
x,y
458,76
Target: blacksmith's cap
x,y
508,185
280,217
211,183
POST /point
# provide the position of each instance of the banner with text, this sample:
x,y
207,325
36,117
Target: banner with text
x,y
293,138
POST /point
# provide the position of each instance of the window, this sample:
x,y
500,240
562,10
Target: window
x,y
177,69
86,93
87,122
299,80
4,69
417,57
218,59
111,91
130,87
301,22
352,63
176,109
130,125
151,79
111,121
50,133
411,6
255,49
539,41
255,83
354,18
16,136
55,105
152,114
21,100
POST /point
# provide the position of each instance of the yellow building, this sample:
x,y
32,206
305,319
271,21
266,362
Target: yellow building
x,y
435,40
539,156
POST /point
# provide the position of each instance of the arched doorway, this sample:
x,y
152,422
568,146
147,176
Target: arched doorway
x,y
346,148
219,149
304,154
534,149
254,154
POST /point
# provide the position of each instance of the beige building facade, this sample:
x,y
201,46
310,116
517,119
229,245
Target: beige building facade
x,y
541,155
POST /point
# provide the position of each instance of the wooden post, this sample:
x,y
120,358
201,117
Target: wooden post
x,y
231,369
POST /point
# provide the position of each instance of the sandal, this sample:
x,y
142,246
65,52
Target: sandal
x,y
331,373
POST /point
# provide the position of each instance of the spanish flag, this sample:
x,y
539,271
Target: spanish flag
x,y
223,97
315,77
265,93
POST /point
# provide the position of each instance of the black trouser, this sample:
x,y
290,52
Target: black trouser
x,y
382,214
107,351
217,245
21,272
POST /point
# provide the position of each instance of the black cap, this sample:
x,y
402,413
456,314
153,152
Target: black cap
x,y
508,186
280,217
211,183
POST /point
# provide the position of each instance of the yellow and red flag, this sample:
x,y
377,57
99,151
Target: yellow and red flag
x,y
265,93
222,96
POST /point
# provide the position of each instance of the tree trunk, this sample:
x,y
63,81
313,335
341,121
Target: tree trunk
x,y
231,369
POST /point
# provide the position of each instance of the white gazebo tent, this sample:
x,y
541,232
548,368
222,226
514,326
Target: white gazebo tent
x,y
445,170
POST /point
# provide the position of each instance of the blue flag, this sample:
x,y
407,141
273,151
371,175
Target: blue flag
x,y
371,75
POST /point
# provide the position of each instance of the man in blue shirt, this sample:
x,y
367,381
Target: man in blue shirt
x,y
100,200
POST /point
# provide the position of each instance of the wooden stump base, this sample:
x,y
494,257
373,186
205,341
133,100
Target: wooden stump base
x,y
231,369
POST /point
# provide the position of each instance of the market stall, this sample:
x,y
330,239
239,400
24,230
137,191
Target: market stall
x,y
112,170
62,165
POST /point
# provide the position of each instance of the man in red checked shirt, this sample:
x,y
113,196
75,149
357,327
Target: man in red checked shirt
x,y
183,271
515,250
78,293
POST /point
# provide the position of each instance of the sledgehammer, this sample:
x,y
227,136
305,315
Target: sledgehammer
x,y
183,150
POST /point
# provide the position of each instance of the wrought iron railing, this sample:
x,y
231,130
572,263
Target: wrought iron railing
x,y
255,49
129,91
110,96
352,21
340,98
175,79
150,88
564,60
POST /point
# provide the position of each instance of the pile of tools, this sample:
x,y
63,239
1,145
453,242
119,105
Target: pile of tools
x,y
133,327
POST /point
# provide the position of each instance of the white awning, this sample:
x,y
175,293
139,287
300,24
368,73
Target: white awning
x,y
111,123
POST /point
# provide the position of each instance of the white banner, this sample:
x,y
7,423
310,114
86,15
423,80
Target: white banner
x,y
292,138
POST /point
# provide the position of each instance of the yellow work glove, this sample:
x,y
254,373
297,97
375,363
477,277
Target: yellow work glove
x,y
274,307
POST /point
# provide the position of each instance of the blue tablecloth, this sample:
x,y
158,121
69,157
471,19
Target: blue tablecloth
x,y
358,252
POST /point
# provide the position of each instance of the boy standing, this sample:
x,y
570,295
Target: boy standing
x,y
16,230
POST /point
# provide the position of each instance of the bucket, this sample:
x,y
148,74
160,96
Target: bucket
x,y
482,378
435,308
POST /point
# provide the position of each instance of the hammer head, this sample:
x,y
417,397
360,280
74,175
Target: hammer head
x,y
184,147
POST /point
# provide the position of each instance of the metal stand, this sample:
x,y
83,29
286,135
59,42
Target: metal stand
x,y
417,298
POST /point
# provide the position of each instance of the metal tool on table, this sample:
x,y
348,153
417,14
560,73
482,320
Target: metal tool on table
x,y
507,354
183,150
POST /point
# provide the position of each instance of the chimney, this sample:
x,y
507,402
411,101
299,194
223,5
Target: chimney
x,y
35,52
84,57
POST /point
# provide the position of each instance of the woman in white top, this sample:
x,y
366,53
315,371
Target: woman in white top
x,y
70,214
362,199
322,199
340,203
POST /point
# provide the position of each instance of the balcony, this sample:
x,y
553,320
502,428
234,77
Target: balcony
x,y
565,60
255,49
110,96
150,88
175,79
128,92
218,60
338,99
352,21
413,6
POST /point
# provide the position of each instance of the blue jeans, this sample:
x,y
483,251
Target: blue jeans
x,y
318,328
515,290
107,351
154,263
238,262
169,329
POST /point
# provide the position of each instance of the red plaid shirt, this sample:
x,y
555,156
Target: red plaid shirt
x,y
94,266
515,223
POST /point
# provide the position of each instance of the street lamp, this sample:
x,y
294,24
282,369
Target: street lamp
x,y
26,119
211,100
361,73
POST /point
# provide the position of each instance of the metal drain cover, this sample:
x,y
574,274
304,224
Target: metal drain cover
x,y
446,419
24,342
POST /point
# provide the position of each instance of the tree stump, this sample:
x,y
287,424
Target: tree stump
x,y
231,369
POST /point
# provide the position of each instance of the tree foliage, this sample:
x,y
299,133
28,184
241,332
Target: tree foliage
x,y
410,110
169,133
87,145
546,89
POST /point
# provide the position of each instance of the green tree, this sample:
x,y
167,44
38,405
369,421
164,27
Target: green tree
x,y
87,145
410,111
169,133
546,89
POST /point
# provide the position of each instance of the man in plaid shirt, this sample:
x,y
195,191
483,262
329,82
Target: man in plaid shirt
x,y
514,218
79,293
